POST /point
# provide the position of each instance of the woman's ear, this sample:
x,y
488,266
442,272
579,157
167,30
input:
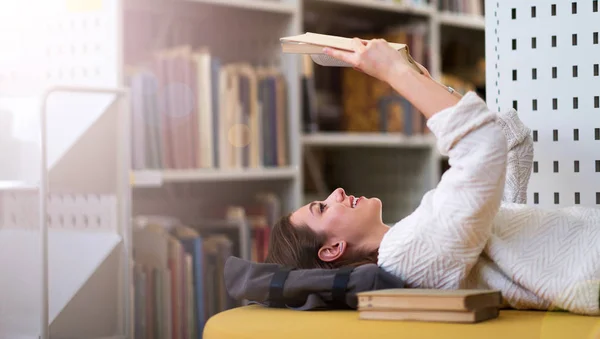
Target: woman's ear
x,y
332,252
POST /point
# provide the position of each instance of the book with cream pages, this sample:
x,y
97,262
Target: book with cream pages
x,y
313,44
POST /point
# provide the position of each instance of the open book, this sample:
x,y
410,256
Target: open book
x,y
313,44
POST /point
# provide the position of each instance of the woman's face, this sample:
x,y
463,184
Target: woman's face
x,y
344,220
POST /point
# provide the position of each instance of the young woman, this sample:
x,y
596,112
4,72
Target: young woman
x,y
474,230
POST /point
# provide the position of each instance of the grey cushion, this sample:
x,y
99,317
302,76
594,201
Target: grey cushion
x,y
273,285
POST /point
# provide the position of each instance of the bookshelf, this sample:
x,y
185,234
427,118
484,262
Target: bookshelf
x,y
86,159
238,183
381,161
69,229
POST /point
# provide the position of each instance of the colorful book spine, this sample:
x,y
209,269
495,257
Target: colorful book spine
x,y
192,111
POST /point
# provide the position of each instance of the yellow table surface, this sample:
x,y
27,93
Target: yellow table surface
x,y
260,322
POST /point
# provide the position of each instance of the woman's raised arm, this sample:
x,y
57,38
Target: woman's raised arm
x,y
519,157
438,244
378,60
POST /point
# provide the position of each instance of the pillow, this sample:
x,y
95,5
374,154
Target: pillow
x,y
273,285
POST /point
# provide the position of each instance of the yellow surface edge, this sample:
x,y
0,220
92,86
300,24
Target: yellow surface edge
x,y
260,322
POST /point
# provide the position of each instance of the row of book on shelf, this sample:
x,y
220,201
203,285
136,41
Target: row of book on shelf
x,y
190,110
367,104
372,105
178,278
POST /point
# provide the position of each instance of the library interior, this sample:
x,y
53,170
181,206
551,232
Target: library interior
x,y
188,169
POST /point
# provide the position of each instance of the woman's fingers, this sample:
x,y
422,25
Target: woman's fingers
x,y
352,58
359,45
345,56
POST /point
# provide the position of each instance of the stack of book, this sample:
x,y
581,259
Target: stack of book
x,y
455,306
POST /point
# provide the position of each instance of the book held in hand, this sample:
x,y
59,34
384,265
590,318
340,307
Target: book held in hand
x,y
462,306
313,44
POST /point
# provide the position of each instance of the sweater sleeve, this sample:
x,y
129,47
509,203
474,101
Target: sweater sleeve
x,y
519,157
438,244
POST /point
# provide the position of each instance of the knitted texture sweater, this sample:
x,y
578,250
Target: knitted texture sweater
x,y
475,230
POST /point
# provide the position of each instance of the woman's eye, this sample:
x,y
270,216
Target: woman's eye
x,y
322,207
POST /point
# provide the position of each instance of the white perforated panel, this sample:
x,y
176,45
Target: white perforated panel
x,y
81,212
542,58
81,233
61,42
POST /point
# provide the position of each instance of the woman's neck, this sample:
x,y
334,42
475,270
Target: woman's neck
x,y
376,235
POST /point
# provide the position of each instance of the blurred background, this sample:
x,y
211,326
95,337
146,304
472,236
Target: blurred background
x,y
180,133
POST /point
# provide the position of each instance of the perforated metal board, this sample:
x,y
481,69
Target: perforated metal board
x,y
542,59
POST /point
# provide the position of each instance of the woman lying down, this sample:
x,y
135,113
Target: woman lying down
x,y
474,230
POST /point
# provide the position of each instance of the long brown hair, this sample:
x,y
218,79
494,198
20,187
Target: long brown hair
x,y
297,246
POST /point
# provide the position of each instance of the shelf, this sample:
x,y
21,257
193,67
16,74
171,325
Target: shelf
x,y
17,185
475,22
360,15
155,178
255,5
267,6
368,140
371,5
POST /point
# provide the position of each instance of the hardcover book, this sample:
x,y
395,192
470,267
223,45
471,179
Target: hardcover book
x,y
313,44
462,306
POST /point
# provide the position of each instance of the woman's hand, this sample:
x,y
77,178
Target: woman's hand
x,y
376,58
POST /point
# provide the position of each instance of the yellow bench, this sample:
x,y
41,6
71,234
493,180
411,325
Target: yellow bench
x,y
257,322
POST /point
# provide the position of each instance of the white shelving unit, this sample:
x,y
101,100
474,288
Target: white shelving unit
x,y
93,193
65,202
288,17
65,239
240,38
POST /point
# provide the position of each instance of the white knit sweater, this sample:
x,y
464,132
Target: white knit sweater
x,y
475,230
